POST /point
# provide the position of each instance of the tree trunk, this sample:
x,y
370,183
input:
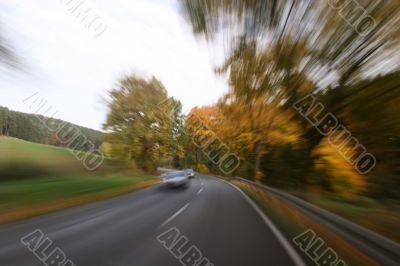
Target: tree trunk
x,y
197,160
257,162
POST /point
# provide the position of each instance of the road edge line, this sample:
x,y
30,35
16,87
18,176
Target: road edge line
x,y
281,238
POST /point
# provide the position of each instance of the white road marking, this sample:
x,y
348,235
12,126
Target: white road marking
x,y
200,190
174,215
284,242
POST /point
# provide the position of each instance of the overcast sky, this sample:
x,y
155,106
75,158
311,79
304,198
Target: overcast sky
x,y
73,69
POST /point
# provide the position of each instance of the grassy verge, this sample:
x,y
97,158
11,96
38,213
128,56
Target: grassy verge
x,y
292,222
25,198
38,178
374,215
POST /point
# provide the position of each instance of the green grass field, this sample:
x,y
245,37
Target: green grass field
x,y
17,193
13,148
37,178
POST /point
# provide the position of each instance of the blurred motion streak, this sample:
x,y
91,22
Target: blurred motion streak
x,y
328,125
343,53
8,56
355,15
310,119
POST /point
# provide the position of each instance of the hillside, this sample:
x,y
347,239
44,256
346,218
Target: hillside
x,y
24,159
31,128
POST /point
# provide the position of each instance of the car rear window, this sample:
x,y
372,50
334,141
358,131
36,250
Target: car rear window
x,y
175,174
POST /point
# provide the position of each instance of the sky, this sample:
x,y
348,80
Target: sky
x,y
73,66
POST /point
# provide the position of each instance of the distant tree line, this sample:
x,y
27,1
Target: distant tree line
x,y
31,128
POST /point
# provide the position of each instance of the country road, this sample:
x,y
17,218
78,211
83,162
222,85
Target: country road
x,y
214,216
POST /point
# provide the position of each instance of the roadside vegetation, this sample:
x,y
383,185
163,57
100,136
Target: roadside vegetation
x,y
381,216
37,179
21,199
291,221
307,54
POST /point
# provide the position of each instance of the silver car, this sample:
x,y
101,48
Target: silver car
x,y
175,179
190,173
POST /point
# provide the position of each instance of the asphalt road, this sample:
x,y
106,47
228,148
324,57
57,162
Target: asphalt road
x,y
210,215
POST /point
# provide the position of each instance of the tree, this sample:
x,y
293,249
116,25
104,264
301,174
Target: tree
x,y
142,123
304,41
343,53
200,125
